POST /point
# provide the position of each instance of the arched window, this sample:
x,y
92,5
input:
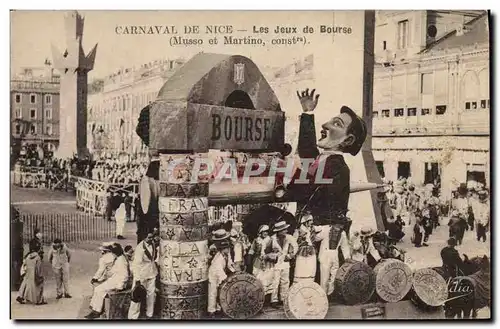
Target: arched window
x,y
484,88
470,90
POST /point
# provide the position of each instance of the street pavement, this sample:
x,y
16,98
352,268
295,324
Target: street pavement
x,y
85,258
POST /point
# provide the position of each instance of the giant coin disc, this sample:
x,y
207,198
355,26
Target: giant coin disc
x,y
306,300
145,194
429,287
241,296
355,282
393,280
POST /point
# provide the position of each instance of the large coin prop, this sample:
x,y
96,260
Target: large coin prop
x,y
355,282
306,300
393,280
429,288
241,296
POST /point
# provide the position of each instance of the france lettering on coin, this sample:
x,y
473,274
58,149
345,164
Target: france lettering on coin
x,y
182,205
173,248
168,275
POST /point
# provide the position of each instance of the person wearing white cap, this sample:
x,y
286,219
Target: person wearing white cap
x,y
144,270
287,247
263,268
305,264
105,263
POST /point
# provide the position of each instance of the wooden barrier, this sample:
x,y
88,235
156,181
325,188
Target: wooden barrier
x,y
39,177
91,195
70,227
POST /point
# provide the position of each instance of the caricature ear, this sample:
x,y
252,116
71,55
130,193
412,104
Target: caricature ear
x,y
349,140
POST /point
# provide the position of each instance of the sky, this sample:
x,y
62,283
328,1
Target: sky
x,y
33,32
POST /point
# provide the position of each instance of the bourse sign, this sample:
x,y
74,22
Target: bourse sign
x,y
217,102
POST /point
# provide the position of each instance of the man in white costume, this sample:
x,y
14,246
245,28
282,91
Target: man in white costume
x,y
144,270
217,274
287,248
118,278
328,257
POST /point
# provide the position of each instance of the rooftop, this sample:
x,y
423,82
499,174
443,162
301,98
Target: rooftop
x,y
474,32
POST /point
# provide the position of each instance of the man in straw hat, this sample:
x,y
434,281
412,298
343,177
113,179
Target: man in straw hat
x,y
217,236
286,247
217,272
105,263
364,250
481,210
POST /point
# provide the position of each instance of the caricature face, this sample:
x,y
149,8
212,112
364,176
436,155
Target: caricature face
x,y
334,132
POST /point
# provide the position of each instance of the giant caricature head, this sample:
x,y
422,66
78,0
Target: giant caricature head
x,y
346,132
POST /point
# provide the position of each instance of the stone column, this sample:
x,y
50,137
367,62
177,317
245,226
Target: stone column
x,y
183,208
418,168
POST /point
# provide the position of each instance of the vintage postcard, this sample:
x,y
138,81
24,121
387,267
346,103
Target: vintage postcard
x,y
175,165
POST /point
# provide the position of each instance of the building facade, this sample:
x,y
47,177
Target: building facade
x,y
34,107
431,106
114,105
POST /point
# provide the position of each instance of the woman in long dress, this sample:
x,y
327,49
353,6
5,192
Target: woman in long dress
x,y
31,289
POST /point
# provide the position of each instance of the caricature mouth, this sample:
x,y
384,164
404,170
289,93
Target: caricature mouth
x,y
324,134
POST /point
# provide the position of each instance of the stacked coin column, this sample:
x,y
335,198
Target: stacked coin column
x,y
183,208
